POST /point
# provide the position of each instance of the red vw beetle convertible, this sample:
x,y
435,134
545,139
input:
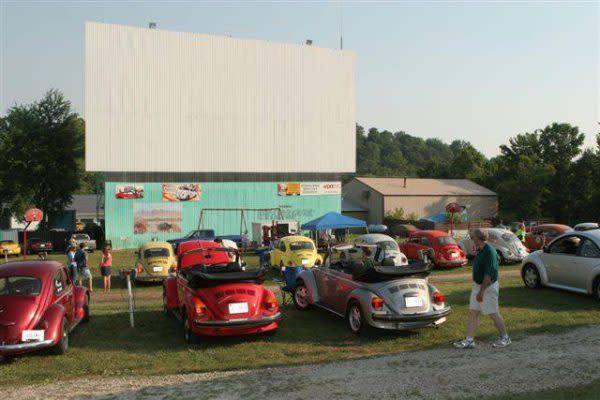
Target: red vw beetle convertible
x,y
212,294
39,307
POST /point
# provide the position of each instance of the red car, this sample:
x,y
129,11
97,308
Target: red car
x,y
39,307
35,246
541,235
213,295
445,249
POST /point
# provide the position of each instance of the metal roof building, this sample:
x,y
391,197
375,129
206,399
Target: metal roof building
x,y
423,197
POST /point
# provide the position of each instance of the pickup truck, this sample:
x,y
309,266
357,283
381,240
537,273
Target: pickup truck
x,y
78,238
198,234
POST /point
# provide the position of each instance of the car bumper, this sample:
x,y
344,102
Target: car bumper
x,y
238,323
399,322
451,263
7,349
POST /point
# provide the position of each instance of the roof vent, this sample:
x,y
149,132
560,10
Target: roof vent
x,y
152,25
309,42
405,181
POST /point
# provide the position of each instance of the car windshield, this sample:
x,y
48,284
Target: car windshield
x,y
388,245
201,233
156,252
295,246
445,240
81,237
20,286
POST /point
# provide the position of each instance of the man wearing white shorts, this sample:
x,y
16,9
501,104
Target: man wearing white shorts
x,y
485,293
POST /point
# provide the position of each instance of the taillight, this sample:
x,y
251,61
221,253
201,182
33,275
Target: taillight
x,y
270,302
439,298
377,303
199,307
140,269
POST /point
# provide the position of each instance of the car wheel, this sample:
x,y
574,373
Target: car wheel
x,y
86,310
301,297
63,344
189,336
531,276
355,319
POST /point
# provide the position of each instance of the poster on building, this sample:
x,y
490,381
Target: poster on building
x,y
129,192
156,218
309,188
174,192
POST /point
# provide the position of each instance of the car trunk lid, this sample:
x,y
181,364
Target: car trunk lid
x,y
16,314
234,301
407,296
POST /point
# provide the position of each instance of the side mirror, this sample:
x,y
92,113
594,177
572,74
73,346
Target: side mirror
x,y
546,249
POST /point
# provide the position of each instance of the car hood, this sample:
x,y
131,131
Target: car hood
x,y
16,314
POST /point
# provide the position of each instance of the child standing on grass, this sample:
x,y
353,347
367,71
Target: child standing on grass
x,y
72,264
106,267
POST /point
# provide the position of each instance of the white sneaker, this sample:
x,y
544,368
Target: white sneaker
x,y
465,344
502,341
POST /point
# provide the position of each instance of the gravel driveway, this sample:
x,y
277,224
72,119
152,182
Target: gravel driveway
x,y
537,362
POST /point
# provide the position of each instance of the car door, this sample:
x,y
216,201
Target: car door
x,y
63,293
278,253
560,257
410,247
323,281
341,285
588,259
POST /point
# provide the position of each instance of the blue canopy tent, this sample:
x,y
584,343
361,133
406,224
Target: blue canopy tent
x,y
333,220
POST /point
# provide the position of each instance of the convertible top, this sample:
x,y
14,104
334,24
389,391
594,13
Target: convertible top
x,y
213,275
370,273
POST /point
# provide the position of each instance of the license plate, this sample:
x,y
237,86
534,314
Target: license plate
x,y
42,245
453,255
238,308
305,261
413,301
32,336
157,269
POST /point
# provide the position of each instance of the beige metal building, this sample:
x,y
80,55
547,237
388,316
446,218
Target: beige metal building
x,y
424,197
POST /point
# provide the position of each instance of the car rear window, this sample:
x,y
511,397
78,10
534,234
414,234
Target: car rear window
x,y
156,252
388,245
294,246
82,237
20,286
444,240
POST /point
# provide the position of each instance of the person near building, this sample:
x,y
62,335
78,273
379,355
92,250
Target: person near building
x,y
485,293
106,267
83,270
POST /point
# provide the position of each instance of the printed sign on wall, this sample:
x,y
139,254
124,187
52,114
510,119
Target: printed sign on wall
x,y
156,218
181,192
308,188
129,192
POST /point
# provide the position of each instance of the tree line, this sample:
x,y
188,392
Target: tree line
x,y
540,174
545,173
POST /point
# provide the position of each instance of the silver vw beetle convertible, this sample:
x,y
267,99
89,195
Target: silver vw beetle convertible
x,y
367,295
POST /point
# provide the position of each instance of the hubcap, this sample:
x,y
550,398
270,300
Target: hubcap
x,y
355,318
301,296
530,277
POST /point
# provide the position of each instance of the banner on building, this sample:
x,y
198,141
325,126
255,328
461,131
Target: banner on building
x,y
308,188
129,192
156,218
181,192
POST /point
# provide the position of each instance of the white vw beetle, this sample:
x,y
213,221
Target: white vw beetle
x,y
376,246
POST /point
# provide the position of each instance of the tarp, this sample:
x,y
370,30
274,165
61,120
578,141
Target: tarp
x,y
439,217
333,220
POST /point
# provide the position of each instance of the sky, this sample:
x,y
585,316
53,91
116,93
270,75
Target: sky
x,y
476,71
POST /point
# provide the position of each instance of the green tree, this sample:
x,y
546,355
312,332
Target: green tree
x,y
41,144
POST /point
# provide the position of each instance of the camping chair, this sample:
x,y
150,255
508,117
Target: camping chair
x,y
290,276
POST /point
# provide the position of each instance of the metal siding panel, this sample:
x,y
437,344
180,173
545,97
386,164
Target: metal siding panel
x,y
159,101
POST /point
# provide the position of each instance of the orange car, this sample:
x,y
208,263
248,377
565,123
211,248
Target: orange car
x,y
541,235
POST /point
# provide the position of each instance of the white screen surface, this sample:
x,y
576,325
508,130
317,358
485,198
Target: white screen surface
x,y
161,101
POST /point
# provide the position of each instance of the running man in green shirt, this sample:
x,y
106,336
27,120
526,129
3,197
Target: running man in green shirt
x,y
485,292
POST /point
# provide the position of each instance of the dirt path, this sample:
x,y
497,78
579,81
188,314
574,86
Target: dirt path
x,y
535,363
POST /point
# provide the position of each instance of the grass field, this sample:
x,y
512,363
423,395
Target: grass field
x,y
107,346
